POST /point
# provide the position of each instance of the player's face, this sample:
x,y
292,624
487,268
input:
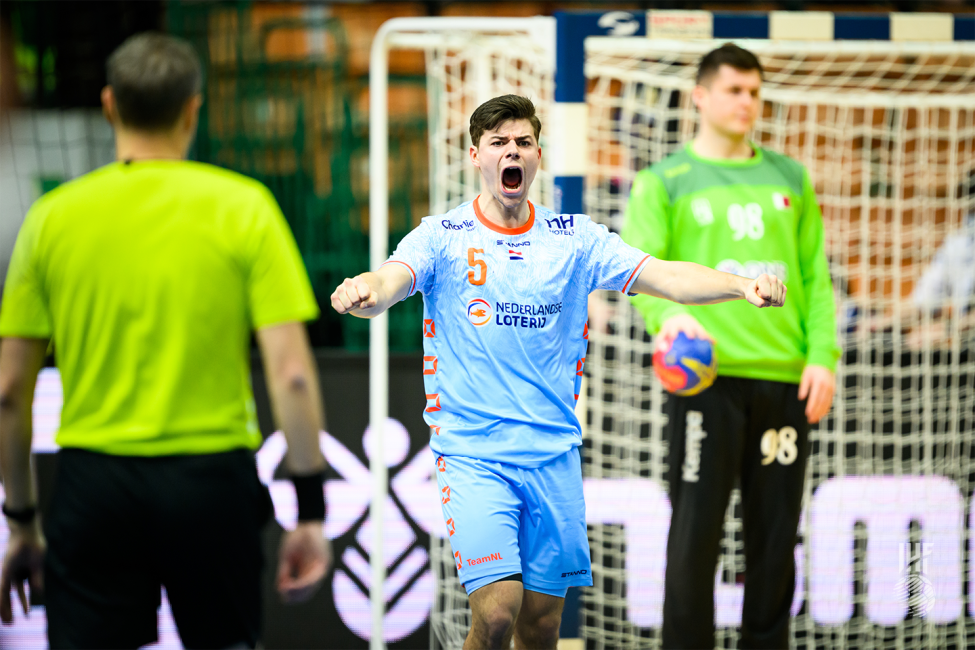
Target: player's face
x,y
730,101
508,158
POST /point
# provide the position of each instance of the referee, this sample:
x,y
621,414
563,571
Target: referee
x,y
147,277
726,203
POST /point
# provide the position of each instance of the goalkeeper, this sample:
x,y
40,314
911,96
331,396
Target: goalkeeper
x,y
726,203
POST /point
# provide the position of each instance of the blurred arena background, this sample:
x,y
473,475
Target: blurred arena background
x,y
887,130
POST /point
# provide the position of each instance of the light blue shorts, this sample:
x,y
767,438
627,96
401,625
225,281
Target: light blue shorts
x,y
502,520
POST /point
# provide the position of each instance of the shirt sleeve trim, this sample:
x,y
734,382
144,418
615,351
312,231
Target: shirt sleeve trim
x,y
25,332
306,314
412,273
635,274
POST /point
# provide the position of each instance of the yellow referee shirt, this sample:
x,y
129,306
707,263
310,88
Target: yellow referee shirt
x,y
149,276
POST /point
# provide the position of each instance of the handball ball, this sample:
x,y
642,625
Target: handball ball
x,y
688,367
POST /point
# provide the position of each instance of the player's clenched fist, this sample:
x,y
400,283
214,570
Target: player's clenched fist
x,y
353,293
766,291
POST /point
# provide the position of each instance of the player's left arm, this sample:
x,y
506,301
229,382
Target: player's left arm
x,y
688,283
21,360
818,383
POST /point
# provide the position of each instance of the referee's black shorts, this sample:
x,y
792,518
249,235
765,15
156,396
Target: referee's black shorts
x,y
120,528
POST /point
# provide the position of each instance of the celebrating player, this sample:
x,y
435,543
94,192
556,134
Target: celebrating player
x,y
728,204
505,286
148,275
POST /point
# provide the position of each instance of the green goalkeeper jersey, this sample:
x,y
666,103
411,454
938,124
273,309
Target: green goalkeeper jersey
x,y
745,217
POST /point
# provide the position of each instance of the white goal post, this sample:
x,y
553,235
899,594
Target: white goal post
x,y
887,131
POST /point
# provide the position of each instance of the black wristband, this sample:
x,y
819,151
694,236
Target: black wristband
x,y
24,516
310,492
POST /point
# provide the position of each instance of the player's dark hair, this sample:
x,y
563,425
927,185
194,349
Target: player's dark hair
x,y
494,112
728,54
153,76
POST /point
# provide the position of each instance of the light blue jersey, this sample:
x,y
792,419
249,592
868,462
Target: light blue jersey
x,y
505,327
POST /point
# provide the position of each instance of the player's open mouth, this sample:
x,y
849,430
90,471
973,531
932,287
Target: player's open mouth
x,y
511,179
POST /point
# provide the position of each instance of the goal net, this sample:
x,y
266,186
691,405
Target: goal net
x,y
463,70
887,132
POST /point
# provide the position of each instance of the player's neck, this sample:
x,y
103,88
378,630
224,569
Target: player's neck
x,y
712,144
137,145
499,214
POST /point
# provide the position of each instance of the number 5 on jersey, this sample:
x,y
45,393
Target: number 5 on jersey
x,y
478,276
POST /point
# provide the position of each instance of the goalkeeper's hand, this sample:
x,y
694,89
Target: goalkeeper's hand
x,y
675,325
817,386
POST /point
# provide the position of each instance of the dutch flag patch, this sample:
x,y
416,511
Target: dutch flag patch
x,y
514,255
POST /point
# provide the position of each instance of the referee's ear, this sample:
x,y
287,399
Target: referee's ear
x,y
109,108
191,114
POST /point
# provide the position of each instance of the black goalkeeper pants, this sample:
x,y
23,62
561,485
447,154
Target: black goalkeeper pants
x,y
755,431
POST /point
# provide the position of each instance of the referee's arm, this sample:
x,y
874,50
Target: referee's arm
x,y
293,389
21,360
304,555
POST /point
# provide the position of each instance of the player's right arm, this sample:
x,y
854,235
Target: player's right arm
x,y
411,268
369,294
647,227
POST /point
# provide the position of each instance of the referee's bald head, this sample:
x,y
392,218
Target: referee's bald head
x,y
153,76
